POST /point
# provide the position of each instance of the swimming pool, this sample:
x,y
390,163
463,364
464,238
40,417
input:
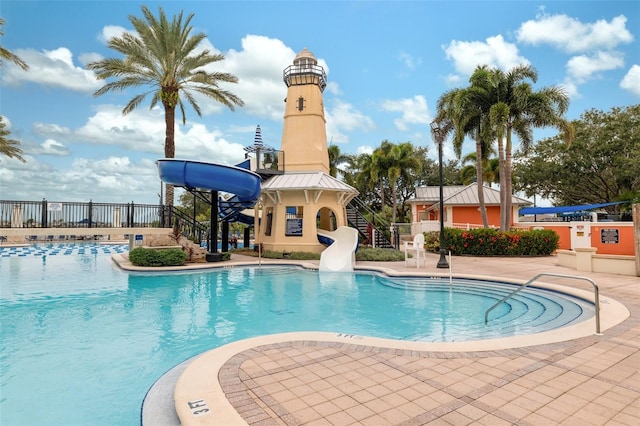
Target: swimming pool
x,y
82,341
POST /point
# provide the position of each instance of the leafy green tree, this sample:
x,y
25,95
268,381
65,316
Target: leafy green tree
x,y
9,147
600,166
187,202
162,55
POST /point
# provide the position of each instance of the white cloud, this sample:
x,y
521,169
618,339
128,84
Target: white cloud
x,y
583,67
365,149
631,81
110,31
113,179
139,131
414,111
409,61
494,52
51,147
259,67
344,117
53,68
453,80
572,36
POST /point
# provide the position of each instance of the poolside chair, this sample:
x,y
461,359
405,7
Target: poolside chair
x,y
416,249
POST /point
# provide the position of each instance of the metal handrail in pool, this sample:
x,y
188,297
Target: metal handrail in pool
x,y
548,274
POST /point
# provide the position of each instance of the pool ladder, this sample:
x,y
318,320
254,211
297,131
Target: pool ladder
x,y
548,274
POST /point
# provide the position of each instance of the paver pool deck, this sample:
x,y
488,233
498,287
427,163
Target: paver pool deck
x,y
332,379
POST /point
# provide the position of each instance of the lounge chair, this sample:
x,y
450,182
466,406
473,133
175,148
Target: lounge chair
x,y
415,248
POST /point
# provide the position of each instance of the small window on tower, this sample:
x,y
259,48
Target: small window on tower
x,y
300,103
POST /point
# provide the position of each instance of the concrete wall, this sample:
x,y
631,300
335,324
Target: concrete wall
x,y
586,260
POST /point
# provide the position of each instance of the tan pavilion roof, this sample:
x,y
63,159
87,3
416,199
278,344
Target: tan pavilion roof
x,y
306,180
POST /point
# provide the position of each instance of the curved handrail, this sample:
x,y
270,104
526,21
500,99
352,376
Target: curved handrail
x,y
596,293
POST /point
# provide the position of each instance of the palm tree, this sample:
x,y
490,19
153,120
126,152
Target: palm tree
x,y
489,169
6,55
389,163
335,159
162,56
377,168
517,109
402,162
462,112
9,147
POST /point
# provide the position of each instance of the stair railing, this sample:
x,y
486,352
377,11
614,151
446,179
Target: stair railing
x,y
548,274
381,228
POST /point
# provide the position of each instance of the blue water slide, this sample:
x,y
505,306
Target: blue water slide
x,y
211,176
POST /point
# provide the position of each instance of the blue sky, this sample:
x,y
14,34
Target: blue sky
x,y
387,62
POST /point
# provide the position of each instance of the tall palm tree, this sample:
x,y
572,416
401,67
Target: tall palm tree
x,y
9,147
162,55
462,112
517,109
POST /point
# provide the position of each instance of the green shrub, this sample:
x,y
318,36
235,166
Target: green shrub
x,y
141,256
303,255
492,242
375,254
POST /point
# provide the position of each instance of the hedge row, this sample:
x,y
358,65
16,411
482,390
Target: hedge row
x,y
492,242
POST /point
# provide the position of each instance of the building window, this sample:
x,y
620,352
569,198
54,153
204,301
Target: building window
x,y
269,223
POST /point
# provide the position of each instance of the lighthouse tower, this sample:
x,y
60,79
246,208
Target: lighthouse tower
x,y
305,200
304,136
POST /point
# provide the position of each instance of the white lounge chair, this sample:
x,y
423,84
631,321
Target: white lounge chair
x,y
416,249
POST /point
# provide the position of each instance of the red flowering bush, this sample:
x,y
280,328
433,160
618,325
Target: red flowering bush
x,y
492,242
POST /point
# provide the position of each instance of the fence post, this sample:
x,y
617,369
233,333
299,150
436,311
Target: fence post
x,y
132,212
90,213
43,218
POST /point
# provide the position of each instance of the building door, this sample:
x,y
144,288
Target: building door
x,y
580,235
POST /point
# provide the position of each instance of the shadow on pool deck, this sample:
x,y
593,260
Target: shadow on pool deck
x,y
296,379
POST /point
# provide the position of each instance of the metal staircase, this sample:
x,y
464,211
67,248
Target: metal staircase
x,y
375,232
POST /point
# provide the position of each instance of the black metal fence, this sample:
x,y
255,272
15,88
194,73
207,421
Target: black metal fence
x,y
49,214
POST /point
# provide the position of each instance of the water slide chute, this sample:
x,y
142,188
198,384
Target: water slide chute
x,y
243,183
340,256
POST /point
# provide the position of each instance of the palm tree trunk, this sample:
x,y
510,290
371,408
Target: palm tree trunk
x,y
169,143
394,193
480,182
508,185
501,159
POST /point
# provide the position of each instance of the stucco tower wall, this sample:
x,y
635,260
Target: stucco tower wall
x,y
304,135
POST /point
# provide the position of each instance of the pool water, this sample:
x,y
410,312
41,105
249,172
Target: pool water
x,y
82,341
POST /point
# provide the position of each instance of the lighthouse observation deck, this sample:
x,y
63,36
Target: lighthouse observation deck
x,y
298,75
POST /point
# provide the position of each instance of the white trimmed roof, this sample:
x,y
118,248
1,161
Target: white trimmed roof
x,y
306,180
462,195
